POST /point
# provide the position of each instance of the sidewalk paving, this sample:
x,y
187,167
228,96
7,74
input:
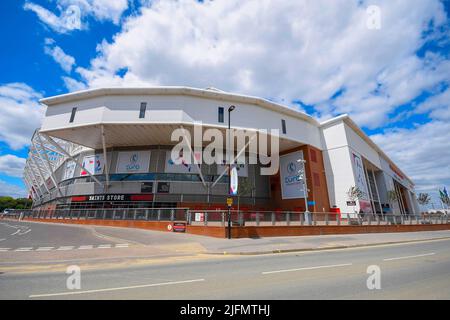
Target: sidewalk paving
x,y
247,246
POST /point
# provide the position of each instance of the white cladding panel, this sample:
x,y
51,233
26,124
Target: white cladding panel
x,y
178,109
340,177
363,148
334,136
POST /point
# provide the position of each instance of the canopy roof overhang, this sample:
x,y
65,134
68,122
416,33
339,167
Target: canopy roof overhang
x,y
139,135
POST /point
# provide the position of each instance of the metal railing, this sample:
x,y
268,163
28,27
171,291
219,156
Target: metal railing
x,y
238,218
293,218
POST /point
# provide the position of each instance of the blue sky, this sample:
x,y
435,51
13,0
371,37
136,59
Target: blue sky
x,y
321,57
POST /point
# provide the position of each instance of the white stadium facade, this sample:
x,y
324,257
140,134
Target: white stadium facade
x,y
111,148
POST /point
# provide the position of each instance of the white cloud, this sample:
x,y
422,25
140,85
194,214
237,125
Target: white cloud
x,y
12,165
68,20
12,190
283,50
21,114
73,85
422,152
64,60
73,13
437,106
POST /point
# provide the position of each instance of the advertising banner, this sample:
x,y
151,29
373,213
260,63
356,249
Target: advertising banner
x,y
361,183
133,162
184,166
234,181
94,164
292,184
69,170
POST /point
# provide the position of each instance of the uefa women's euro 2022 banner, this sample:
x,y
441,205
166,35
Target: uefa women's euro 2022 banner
x,y
292,183
361,183
94,164
133,162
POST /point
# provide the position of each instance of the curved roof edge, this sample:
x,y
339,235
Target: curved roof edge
x,y
174,90
346,118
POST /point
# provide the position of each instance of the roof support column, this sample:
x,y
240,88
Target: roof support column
x,y
105,157
49,165
77,162
39,171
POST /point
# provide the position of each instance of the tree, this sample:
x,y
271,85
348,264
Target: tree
x,y
11,203
423,199
354,193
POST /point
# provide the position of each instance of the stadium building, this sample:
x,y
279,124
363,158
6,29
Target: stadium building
x,y
111,148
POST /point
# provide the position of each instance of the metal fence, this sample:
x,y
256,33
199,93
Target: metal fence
x,y
238,218
289,218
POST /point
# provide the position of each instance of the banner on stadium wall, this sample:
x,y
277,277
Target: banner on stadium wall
x,y
94,164
69,170
234,181
292,185
185,165
133,162
361,183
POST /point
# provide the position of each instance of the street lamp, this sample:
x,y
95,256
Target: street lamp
x,y
230,109
302,172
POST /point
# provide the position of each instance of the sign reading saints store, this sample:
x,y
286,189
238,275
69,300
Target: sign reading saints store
x,y
113,197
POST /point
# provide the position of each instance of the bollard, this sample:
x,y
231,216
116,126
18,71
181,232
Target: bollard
x,y
288,218
257,218
273,218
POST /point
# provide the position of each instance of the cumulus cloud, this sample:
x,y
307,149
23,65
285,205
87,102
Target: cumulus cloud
x,y
21,114
423,152
283,50
12,190
64,60
12,165
73,13
68,20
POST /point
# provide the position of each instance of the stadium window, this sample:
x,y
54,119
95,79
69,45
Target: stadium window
x,y
142,110
221,114
313,156
283,126
72,116
316,178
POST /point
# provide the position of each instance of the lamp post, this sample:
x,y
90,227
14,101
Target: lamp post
x,y
230,109
303,174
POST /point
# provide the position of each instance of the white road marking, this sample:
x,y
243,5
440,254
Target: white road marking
x,y
24,249
2,239
410,257
104,246
17,231
64,248
309,268
85,247
4,249
114,289
44,248
122,245
21,234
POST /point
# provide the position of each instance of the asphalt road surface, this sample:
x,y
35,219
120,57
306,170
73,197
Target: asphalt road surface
x,y
406,271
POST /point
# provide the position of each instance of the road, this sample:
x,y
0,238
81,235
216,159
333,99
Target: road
x,y
407,271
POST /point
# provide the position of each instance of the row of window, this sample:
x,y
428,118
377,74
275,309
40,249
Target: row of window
x,y
143,108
